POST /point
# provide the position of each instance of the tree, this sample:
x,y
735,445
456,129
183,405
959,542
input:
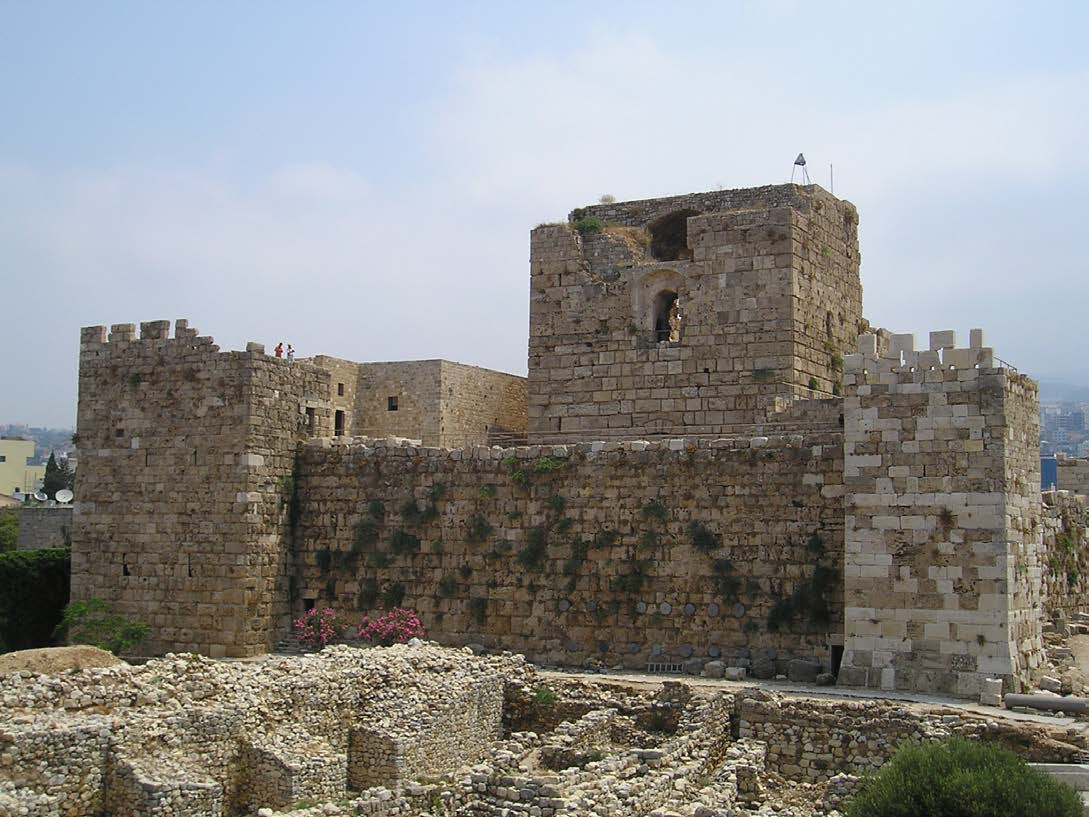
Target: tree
x,y
9,530
57,476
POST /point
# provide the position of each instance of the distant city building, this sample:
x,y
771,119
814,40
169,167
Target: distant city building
x,y
15,474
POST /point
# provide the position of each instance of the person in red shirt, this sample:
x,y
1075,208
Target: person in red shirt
x,y
279,350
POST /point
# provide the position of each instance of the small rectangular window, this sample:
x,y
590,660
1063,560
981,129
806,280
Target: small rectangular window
x,y
3,458
340,389
391,404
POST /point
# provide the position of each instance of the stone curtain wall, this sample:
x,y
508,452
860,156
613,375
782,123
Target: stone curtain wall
x,y
186,455
1072,474
939,493
626,552
767,268
41,528
481,406
1063,557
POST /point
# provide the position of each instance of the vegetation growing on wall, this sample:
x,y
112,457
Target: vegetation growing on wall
x,y
93,622
811,599
9,530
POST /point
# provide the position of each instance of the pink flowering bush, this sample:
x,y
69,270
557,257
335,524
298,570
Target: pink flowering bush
x,y
395,627
317,627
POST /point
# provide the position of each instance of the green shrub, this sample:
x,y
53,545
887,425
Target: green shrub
x,y
813,384
487,491
655,510
726,583
368,594
543,698
33,593
9,530
479,529
93,622
532,556
605,538
702,538
565,524
366,533
402,543
324,558
588,225
466,570
546,465
394,595
376,509
960,778
411,512
557,503
478,608
448,586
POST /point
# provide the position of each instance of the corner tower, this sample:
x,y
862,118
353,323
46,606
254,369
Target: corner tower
x,y
768,299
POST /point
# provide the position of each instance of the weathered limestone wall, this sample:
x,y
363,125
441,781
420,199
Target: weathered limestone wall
x,y
417,387
481,406
769,293
44,527
942,486
438,402
186,456
625,552
1072,474
1063,556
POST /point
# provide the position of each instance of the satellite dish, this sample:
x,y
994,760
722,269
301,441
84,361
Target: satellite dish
x,y
64,496
41,496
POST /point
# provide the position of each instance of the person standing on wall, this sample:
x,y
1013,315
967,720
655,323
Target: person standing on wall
x,y
290,353
279,350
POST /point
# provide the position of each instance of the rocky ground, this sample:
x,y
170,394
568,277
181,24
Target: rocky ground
x,y
420,729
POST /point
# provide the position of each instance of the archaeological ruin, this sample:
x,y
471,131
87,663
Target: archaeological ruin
x,y
714,458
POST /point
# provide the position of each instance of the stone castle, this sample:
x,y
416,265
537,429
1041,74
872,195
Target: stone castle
x,y
714,457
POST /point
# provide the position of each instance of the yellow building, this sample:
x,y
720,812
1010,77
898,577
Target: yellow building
x,y
15,474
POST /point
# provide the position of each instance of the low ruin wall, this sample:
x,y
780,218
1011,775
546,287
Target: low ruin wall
x,y
633,553
41,528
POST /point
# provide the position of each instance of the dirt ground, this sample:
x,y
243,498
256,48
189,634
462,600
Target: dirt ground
x,y
51,660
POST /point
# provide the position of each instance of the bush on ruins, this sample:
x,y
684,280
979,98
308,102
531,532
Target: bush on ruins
x,y
317,627
960,778
395,627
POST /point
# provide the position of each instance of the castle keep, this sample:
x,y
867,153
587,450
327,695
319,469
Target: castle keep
x,y
714,456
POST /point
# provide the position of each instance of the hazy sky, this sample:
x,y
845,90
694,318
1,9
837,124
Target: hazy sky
x,y
360,178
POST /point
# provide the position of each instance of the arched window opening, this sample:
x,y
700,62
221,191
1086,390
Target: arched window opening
x,y
669,236
667,317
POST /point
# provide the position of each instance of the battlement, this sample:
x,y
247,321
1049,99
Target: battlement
x,y
94,338
883,351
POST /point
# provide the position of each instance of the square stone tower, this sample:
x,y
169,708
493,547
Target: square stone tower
x,y
690,315
942,578
185,484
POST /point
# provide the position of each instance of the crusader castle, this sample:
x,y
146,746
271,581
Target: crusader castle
x,y
713,457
